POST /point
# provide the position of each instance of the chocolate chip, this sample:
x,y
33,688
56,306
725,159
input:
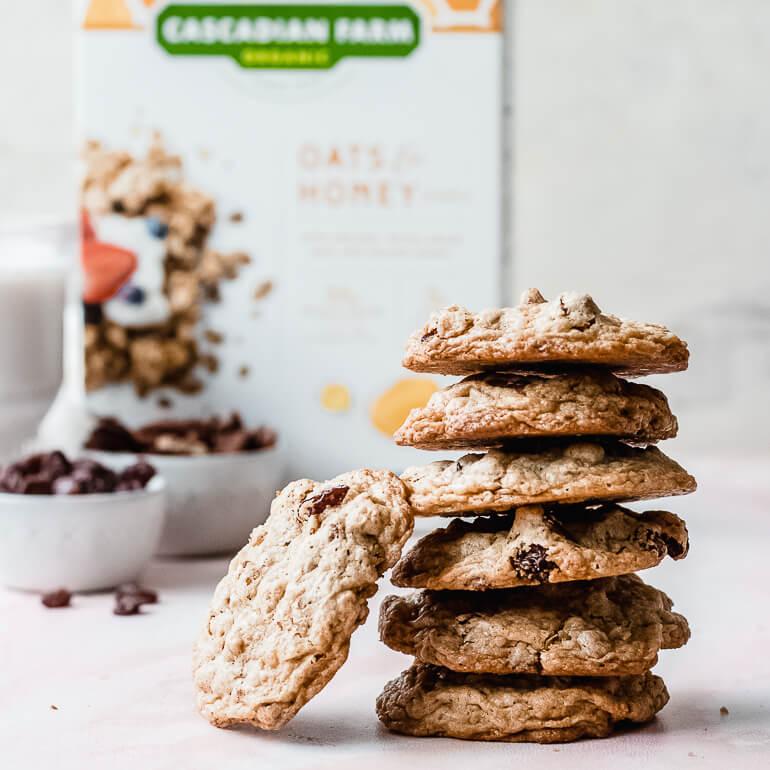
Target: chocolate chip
x,y
503,379
94,477
165,403
529,563
53,707
110,435
674,547
136,476
56,464
723,711
35,474
36,485
327,498
428,335
55,599
181,437
127,604
53,474
146,595
129,597
662,544
232,442
66,485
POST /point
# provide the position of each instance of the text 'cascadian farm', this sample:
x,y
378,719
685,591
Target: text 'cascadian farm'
x,y
264,30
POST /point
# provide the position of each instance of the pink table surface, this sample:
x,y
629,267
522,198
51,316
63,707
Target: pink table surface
x,y
124,697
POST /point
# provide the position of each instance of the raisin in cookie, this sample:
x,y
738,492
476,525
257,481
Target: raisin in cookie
x,y
570,329
486,409
604,627
573,472
431,701
534,546
280,622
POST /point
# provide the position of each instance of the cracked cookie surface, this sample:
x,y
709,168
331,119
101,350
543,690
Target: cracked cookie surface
x,y
605,627
533,546
280,621
570,329
430,701
571,473
485,410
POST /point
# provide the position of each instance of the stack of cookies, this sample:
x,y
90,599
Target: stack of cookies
x,y
530,624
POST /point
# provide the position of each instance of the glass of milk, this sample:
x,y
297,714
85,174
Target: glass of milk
x,y
34,262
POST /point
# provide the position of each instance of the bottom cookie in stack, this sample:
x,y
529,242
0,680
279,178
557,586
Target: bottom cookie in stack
x,y
429,700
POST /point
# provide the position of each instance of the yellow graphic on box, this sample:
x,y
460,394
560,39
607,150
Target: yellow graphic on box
x,y
109,14
335,398
464,15
393,406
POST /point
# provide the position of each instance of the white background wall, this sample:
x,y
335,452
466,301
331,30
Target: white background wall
x,y
641,172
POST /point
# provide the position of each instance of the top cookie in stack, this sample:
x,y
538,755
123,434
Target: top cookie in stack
x,y
532,627
570,329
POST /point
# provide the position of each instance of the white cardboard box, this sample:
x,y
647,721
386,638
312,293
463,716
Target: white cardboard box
x,y
368,193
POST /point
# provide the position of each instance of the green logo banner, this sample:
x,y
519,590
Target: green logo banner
x,y
288,36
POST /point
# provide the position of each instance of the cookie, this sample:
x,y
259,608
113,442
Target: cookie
x,y
486,409
280,621
605,627
430,701
533,546
573,472
570,329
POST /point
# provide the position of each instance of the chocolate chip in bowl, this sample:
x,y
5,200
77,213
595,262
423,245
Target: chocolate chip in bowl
x,y
221,475
79,523
52,473
213,435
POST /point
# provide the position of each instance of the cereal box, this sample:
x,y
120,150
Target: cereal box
x,y
273,197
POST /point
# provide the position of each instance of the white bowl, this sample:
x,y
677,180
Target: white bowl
x,y
213,501
79,542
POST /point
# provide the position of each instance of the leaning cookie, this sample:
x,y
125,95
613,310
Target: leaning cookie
x,y
533,546
430,701
573,472
280,622
570,329
605,627
486,410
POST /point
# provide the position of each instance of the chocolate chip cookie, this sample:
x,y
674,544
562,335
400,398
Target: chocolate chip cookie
x,y
430,701
573,472
533,545
605,627
570,329
280,621
485,410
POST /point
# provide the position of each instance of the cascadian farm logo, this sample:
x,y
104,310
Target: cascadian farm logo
x,y
288,36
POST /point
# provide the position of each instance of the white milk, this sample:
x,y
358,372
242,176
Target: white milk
x,y
32,292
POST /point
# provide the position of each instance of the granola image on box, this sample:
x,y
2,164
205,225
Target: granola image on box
x,y
147,269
